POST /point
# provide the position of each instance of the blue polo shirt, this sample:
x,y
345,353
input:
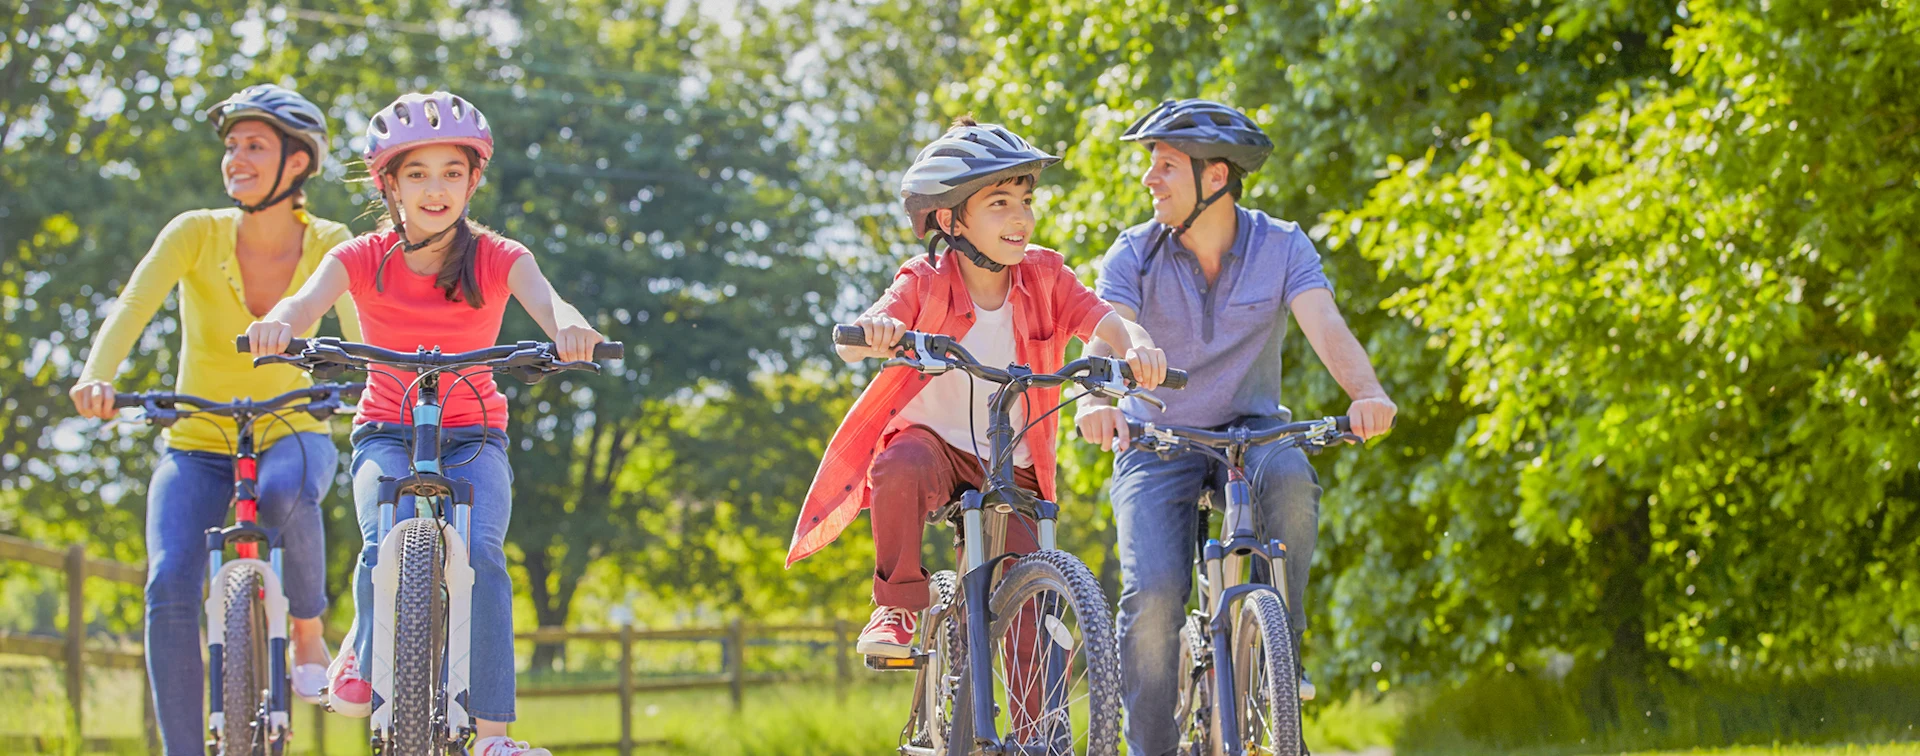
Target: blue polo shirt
x,y
1227,335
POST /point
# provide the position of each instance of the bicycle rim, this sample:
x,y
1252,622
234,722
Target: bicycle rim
x,y
1056,663
1270,684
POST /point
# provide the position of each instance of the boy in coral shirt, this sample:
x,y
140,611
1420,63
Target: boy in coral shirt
x,y
913,441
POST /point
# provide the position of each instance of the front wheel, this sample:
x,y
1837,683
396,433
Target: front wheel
x,y
243,667
419,642
1056,668
1269,683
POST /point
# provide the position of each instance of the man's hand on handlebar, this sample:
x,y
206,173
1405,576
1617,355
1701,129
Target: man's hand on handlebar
x,y
1103,424
1372,416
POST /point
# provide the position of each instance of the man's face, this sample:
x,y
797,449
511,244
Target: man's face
x,y
1169,178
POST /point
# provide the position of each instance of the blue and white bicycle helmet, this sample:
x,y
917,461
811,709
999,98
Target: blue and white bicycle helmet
x,y
966,159
296,117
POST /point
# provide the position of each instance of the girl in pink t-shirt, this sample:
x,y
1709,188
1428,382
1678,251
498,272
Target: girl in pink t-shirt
x,y
432,278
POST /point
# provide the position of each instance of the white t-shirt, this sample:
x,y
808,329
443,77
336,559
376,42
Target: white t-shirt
x,y
943,405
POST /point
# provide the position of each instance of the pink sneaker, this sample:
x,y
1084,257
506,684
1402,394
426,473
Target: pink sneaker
x,y
501,745
889,634
348,693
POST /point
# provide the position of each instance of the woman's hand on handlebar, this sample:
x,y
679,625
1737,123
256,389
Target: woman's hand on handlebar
x,y
882,331
93,399
575,343
268,337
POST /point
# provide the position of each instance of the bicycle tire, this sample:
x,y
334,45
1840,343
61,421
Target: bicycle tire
x,y
943,638
416,647
1054,581
243,667
1270,695
1194,713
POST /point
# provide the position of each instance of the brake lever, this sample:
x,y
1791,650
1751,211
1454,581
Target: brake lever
x,y
923,360
1148,397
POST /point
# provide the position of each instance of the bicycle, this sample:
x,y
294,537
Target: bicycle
x,y
1255,646
958,697
422,580
246,611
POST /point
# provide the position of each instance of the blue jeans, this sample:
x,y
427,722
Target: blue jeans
x,y
1155,505
190,492
385,449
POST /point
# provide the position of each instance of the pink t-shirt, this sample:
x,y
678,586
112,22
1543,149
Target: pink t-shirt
x,y
412,313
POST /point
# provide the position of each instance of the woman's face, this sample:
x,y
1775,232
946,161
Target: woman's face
x,y
432,184
252,160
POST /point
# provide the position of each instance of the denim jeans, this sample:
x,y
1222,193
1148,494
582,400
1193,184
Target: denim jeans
x,y
190,492
1155,504
384,449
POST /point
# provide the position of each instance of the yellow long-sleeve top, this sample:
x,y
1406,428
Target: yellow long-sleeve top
x,y
196,251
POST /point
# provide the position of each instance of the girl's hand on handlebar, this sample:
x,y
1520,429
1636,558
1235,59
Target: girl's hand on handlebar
x,y
575,343
93,399
268,337
1149,366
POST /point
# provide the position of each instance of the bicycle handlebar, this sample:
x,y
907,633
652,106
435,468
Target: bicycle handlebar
x,y
322,400
848,335
530,361
1324,430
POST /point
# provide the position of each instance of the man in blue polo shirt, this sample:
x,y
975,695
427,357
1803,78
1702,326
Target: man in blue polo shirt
x,y
1215,290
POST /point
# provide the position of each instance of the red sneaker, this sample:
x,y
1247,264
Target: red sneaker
x,y
348,693
889,634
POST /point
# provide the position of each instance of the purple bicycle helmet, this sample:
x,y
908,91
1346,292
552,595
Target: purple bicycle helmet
x,y
418,120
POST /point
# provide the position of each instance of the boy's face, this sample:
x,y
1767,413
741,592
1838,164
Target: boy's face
x,y
999,221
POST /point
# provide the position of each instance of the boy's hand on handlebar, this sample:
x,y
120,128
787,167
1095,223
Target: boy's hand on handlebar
x,y
1372,416
575,343
1149,366
268,337
1102,424
883,331
93,399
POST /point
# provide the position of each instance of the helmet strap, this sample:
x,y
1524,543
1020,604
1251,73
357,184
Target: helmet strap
x,y
956,241
400,227
1199,177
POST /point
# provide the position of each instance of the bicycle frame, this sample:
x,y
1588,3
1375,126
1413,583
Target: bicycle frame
x,y
435,496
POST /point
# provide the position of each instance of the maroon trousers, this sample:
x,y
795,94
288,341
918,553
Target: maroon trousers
x,y
916,474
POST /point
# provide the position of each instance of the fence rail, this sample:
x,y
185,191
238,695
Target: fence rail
x,y
76,653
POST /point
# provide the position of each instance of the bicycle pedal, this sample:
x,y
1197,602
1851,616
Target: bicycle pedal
x,y
888,664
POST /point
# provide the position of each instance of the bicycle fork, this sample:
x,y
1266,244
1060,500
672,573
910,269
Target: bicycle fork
x,y
432,493
977,569
246,535
1224,561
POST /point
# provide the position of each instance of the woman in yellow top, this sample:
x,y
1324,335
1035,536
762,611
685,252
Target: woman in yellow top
x,y
232,265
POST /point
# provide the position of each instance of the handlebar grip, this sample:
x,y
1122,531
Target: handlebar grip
x,y
1176,379
294,346
1342,424
129,400
846,335
609,350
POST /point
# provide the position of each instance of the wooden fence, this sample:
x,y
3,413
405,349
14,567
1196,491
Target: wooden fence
x,y
76,653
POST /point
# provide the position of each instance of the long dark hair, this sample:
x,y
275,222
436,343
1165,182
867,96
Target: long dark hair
x,y
458,278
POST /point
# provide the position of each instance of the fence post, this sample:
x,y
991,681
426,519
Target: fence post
x,y
76,635
841,674
626,689
737,640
